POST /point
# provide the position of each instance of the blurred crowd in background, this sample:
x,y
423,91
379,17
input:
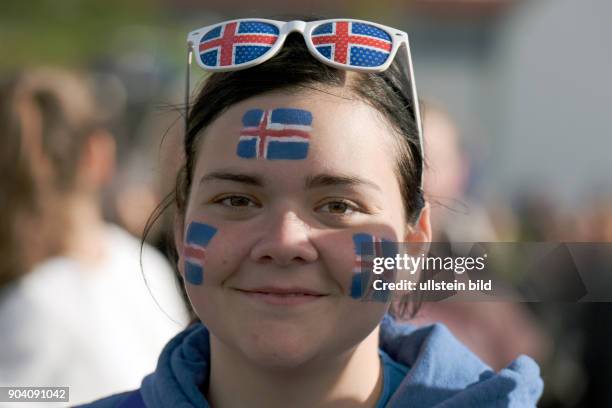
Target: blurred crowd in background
x,y
517,118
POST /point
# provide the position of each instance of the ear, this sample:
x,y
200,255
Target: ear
x,y
420,232
179,241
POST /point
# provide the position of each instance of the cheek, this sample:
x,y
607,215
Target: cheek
x,y
337,255
211,255
353,318
198,237
345,255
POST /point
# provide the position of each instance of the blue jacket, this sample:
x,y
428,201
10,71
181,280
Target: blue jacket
x,y
442,373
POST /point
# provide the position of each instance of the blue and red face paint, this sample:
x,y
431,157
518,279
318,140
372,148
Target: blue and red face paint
x,y
275,134
197,238
367,247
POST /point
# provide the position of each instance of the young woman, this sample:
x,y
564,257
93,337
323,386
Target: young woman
x,y
303,147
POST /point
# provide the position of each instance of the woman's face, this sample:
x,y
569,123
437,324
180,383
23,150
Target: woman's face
x,y
266,246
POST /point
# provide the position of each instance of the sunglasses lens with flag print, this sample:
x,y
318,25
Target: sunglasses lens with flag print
x,y
353,44
237,43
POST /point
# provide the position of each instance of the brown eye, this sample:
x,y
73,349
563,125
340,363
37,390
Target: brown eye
x,y
338,207
237,201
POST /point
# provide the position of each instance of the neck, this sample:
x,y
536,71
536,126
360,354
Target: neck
x,y
85,231
353,379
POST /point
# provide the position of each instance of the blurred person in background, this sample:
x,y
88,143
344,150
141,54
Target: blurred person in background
x,y
457,217
497,332
540,218
596,226
74,308
145,174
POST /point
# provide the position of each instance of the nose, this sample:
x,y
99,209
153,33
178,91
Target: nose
x,y
285,241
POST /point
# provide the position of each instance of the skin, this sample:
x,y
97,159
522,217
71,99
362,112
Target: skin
x,y
290,223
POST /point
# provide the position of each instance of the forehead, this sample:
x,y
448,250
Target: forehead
x,y
344,135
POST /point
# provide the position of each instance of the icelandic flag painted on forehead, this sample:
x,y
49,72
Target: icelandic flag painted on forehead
x,y
197,237
276,134
352,43
237,43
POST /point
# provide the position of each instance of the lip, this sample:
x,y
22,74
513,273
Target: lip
x,y
283,296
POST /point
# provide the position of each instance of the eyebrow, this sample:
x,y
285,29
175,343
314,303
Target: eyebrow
x,y
312,182
231,176
333,180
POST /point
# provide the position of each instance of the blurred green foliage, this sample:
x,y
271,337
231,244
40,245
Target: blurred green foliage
x,y
71,32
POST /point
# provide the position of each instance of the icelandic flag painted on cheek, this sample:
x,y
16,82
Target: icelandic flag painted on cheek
x,y
276,134
367,247
196,240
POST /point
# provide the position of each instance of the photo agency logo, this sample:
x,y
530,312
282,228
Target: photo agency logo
x,y
521,272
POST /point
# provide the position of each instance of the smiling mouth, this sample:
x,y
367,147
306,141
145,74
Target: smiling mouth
x,y
282,297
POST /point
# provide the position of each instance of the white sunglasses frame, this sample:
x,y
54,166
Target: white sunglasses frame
x,y
305,28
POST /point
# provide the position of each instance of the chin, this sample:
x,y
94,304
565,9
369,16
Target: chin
x,y
278,347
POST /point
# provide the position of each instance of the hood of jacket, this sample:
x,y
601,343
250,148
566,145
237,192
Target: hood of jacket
x,y
442,371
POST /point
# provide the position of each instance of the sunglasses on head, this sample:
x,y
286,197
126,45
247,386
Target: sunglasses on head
x,y
348,44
